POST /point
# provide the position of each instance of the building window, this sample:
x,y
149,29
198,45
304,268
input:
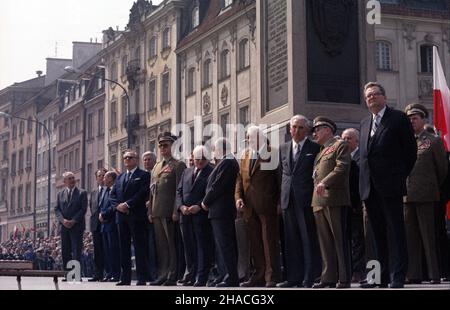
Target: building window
x,y
383,55
20,199
113,161
224,121
137,55
39,164
207,73
65,162
5,149
72,128
77,159
3,190
13,163
191,82
89,177
101,121
153,47
244,54
21,161
165,88
28,164
113,120
195,17
66,130
77,124
21,128
28,198
244,116
14,132
426,59
71,163
137,100
90,129
12,203
100,164
113,74
124,65
224,64
152,95
54,158
166,39
29,124
124,111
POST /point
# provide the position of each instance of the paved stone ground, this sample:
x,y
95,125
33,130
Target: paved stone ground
x,y
9,283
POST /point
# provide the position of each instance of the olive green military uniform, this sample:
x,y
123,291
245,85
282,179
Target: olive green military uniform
x,y
165,178
332,168
421,201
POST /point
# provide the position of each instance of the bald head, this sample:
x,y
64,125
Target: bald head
x,y
351,135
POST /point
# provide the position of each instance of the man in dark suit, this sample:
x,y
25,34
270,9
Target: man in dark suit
x,y
195,226
96,227
355,221
128,196
301,244
110,233
388,152
219,202
70,210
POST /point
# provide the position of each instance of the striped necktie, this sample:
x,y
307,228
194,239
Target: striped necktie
x,y
375,125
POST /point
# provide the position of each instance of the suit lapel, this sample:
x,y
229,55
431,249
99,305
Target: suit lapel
x,y
303,152
289,156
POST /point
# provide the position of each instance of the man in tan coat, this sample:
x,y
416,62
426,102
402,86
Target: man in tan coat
x,y
165,178
257,195
422,198
331,200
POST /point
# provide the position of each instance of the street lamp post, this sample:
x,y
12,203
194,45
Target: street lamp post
x,y
49,176
71,69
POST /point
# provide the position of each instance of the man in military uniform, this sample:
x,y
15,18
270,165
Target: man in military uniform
x,y
165,178
422,198
331,200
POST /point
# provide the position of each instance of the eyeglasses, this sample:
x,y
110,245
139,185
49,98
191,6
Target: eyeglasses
x,y
373,95
163,145
128,157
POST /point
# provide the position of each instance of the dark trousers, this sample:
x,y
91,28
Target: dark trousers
x,y
243,246
387,224
152,266
355,230
136,231
112,254
71,244
443,239
204,247
225,239
302,252
190,249
98,253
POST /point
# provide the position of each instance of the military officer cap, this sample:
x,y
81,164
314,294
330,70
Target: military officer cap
x,y
166,136
323,121
416,108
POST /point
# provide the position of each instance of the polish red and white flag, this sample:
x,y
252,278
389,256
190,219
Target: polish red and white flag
x,y
441,100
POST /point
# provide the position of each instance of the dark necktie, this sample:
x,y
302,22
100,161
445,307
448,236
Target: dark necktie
x,y
99,198
69,196
194,176
128,177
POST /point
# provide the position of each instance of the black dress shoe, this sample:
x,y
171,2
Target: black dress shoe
x,y
214,282
169,283
94,280
227,284
324,285
435,281
113,280
141,283
287,284
413,281
252,283
271,284
122,283
158,282
188,283
199,283
373,285
396,285
343,285
307,284
64,280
